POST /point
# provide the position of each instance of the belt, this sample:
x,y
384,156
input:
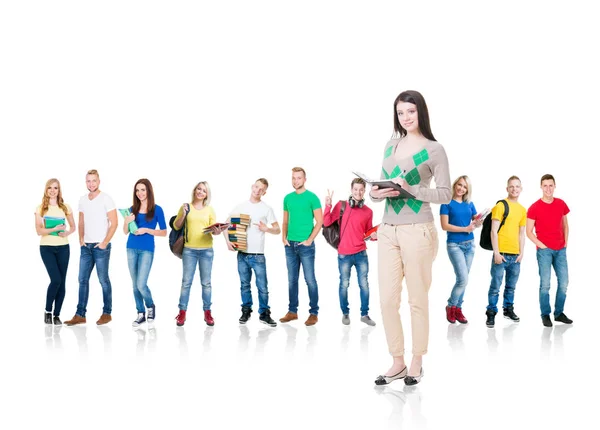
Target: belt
x,y
506,253
250,253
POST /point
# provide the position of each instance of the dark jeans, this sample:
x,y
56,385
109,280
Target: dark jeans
x,y
296,255
90,257
56,260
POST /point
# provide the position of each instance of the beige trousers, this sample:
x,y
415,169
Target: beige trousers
x,y
406,251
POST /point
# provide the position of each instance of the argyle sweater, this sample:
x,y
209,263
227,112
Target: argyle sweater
x,y
417,171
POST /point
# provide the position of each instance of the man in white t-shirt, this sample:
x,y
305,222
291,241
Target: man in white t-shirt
x,y
253,257
97,225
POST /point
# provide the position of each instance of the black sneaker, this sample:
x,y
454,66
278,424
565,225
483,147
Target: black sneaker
x,y
47,318
510,314
141,319
265,318
546,321
245,315
563,319
56,321
151,314
491,318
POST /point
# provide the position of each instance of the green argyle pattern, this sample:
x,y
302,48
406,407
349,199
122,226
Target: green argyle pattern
x,y
412,178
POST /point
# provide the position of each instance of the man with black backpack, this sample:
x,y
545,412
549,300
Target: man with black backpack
x,y
355,219
508,244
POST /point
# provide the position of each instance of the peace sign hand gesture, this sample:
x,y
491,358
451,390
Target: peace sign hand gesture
x,y
329,198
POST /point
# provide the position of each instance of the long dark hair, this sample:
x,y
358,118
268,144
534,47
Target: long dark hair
x,y
149,197
417,99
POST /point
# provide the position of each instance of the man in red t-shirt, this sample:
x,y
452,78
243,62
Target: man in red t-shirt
x,y
549,218
357,220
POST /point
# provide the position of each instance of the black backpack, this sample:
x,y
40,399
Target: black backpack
x,y
332,231
177,238
485,240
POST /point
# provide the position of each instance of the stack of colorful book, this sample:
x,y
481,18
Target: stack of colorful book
x,y
238,231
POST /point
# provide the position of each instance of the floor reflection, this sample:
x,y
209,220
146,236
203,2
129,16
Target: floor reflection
x,y
244,338
311,341
262,338
364,338
492,341
52,336
402,397
552,340
208,332
345,338
291,333
183,345
106,332
455,336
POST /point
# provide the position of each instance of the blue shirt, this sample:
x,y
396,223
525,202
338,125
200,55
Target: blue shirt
x,y
145,242
460,215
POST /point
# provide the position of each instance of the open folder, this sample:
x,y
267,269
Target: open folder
x,y
52,221
132,225
386,183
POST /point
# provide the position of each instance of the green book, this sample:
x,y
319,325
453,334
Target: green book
x,y
132,225
51,222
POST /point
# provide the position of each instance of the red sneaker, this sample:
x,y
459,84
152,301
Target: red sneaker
x,y
208,318
459,316
450,314
180,318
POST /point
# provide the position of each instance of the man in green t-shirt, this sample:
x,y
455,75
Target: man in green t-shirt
x,y
299,232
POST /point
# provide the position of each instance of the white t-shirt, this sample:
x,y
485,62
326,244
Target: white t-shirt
x,y
258,212
95,216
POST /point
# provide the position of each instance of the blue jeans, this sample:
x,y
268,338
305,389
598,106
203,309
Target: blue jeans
x,y
295,255
140,263
461,256
56,260
512,269
548,258
361,262
246,263
90,256
203,257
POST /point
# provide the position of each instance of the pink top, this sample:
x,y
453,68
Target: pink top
x,y
355,223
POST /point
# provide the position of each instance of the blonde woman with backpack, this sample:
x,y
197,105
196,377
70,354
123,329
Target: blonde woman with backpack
x,y
198,249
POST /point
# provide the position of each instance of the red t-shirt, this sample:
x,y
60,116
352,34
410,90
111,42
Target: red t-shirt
x,y
548,219
355,223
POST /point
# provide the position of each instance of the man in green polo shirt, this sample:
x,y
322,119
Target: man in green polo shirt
x,y
300,208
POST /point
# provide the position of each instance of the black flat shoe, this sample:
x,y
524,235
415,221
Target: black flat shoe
x,y
384,380
414,380
563,319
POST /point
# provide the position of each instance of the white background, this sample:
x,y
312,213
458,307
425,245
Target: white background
x,y
227,92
